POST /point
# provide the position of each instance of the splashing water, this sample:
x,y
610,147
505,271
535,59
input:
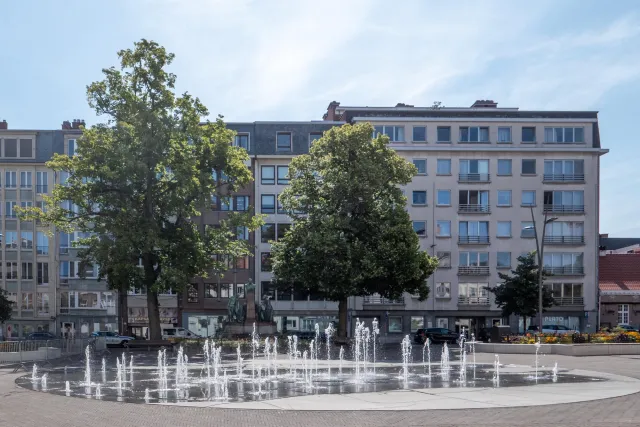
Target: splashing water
x,y
98,391
238,361
44,382
554,373
496,371
67,387
34,373
427,347
87,368
375,332
104,370
406,354
147,398
341,357
329,332
537,357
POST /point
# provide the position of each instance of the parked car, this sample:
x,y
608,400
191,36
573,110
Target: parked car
x,y
178,333
113,338
41,336
436,335
557,329
532,329
627,328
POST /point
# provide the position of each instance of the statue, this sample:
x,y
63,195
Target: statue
x,y
235,310
265,310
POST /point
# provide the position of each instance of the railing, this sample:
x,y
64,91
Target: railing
x,y
375,299
564,240
565,271
569,301
42,250
28,351
552,177
474,208
473,177
473,240
473,300
564,208
464,270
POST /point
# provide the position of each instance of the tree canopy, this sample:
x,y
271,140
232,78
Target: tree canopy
x,y
6,307
138,181
518,292
351,234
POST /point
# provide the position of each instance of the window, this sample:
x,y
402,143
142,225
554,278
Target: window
x,y
26,148
419,134
528,134
283,175
26,239
25,179
71,150
474,170
444,198
419,198
420,227
443,167
242,140
242,233
474,259
473,229
214,202
443,290
395,324
226,203
528,198
527,229
565,229
282,230
192,293
473,293
268,175
10,179
395,133
417,322
242,203
504,135
504,167
565,200
27,301
528,166
63,177
242,263
473,200
210,290
444,259
43,273
42,243
474,134
563,260
267,233
565,290
564,135
313,137
504,197
265,261
280,209
10,148
11,272
444,134
503,229
421,165
443,228
11,240
564,170
504,260
268,203
42,182
27,271
623,314
283,141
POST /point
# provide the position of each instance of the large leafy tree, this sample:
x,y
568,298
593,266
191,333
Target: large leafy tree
x,y
518,292
138,181
6,307
351,234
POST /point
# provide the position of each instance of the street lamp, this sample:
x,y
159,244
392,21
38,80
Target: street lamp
x,y
540,252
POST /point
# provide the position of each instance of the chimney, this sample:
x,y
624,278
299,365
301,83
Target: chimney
x,y
484,103
77,123
4,125
66,125
330,115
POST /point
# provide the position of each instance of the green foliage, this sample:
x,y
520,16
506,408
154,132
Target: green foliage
x,y
518,293
6,307
351,234
139,180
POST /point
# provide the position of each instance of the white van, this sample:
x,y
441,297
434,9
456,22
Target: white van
x,y
169,333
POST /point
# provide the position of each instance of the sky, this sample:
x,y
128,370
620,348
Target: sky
x,y
287,59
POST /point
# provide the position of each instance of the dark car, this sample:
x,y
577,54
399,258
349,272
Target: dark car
x,y
41,336
436,335
627,328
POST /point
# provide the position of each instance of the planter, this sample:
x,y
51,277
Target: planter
x,y
561,349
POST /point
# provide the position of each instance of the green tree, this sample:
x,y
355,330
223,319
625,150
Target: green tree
x,y
518,292
138,181
6,307
351,234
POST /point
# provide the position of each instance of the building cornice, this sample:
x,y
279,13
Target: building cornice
x,y
475,119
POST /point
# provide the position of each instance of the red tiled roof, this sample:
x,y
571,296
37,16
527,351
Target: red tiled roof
x,y
619,272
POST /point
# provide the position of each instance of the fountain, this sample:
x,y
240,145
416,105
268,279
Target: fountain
x,y
104,370
98,391
34,373
537,350
239,362
87,369
329,332
43,382
375,331
67,387
496,371
445,365
554,373
406,355
341,357
427,348
147,398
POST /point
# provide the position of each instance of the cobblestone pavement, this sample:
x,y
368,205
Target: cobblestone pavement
x,y
19,407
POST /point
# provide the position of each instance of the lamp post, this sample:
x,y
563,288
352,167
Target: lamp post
x,y
540,252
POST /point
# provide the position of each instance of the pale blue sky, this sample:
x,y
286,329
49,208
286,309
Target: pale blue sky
x,y
269,60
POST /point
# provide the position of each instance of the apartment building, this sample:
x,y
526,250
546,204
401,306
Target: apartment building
x,y
481,171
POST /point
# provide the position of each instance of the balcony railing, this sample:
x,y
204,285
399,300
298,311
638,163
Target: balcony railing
x,y
473,177
552,177
375,299
464,270
473,301
564,271
559,209
473,240
564,240
565,301
474,208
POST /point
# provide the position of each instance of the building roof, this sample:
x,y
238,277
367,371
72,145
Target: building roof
x,y
613,243
619,273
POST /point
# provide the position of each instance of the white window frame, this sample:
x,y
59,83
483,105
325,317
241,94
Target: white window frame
x,y
26,179
623,314
392,131
553,131
42,182
10,179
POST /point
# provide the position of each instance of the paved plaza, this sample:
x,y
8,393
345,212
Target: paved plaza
x,y
20,407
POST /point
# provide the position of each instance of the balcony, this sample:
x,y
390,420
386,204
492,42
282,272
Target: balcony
x,y
564,271
475,301
564,209
473,240
376,302
465,270
480,209
473,177
564,240
552,177
569,301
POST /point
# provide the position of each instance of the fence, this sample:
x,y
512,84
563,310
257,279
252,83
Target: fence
x,y
21,352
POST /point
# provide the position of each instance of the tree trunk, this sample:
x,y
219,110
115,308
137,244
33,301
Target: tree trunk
x,y
154,315
342,319
123,313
